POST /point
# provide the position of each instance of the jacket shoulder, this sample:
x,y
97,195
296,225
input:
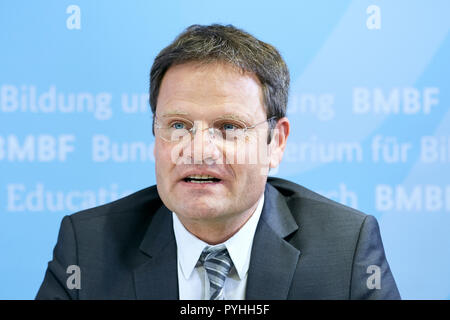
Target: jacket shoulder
x,y
337,245
298,197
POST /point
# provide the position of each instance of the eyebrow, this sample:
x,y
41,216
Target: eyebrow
x,y
175,113
231,116
182,113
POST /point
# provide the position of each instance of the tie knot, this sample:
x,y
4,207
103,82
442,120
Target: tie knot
x,y
215,253
217,263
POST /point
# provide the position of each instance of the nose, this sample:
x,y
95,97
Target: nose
x,y
204,149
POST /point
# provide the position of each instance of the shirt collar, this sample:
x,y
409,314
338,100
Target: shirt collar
x,y
189,247
239,245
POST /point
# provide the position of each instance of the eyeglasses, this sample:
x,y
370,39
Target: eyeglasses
x,y
229,130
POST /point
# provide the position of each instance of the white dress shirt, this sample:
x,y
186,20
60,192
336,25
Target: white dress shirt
x,y
193,283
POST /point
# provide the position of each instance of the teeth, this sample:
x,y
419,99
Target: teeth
x,y
197,176
193,181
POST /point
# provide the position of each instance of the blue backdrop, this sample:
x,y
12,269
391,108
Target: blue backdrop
x,y
369,108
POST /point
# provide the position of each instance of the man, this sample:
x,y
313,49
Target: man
x,y
214,226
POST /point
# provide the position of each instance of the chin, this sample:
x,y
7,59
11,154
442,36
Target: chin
x,y
200,210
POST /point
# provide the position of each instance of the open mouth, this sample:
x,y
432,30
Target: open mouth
x,y
201,179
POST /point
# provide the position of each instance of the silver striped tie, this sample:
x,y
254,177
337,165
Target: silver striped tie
x,y
217,263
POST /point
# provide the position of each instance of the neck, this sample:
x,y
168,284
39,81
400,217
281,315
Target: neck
x,y
215,231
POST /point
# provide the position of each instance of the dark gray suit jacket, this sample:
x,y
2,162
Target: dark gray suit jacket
x,y
305,247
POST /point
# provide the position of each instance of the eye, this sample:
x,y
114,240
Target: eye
x,y
229,126
178,125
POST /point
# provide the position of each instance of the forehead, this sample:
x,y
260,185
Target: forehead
x,y
210,89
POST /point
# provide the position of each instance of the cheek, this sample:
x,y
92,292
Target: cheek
x,y
162,161
250,154
162,151
249,177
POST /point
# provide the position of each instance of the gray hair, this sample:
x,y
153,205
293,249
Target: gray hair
x,y
226,43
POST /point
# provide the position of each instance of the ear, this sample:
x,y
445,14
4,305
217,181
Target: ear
x,y
278,143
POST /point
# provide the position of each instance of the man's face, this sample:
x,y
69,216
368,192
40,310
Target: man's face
x,y
202,94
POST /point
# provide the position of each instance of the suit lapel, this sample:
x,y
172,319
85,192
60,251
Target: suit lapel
x,y
156,277
273,260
